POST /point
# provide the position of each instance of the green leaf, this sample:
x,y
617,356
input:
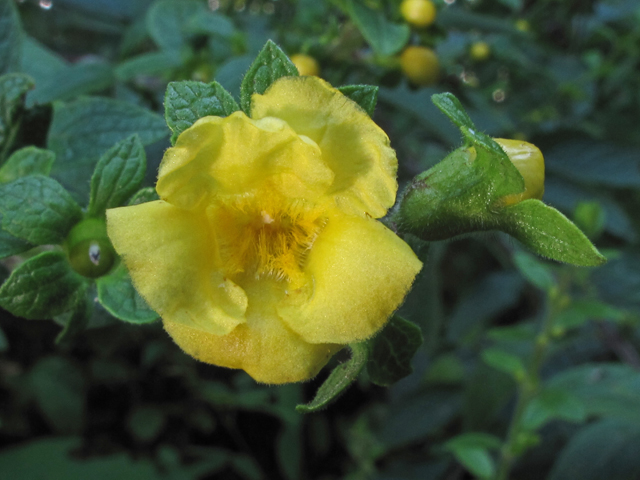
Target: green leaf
x,y
448,104
4,343
534,271
39,62
391,351
187,101
55,460
144,195
27,161
84,129
338,380
386,38
42,287
72,81
505,362
211,23
553,404
117,176
604,389
118,296
582,311
364,95
10,245
146,422
472,451
153,63
607,449
167,21
13,88
38,209
549,233
58,387
10,37
270,64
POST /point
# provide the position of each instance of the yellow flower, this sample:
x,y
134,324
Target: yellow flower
x,y
529,161
263,253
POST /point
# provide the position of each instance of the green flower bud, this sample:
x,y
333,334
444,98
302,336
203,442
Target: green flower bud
x,y
89,249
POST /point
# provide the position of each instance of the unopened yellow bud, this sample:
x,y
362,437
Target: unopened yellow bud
x,y
420,65
419,13
529,161
306,64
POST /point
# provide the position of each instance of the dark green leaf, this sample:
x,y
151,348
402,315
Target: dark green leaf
x,y
270,64
187,101
39,62
553,404
77,321
58,387
472,451
38,209
153,63
68,83
547,232
167,21
42,287
386,38
391,351
117,176
144,195
603,450
460,18
84,129
146,422
338,380
505,362
118,296
605,389
13,88
534,271
448,104
10,245
4,343
27,161
54,460
211,23
10,37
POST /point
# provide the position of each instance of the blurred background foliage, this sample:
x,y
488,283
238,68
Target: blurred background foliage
x,y
121,401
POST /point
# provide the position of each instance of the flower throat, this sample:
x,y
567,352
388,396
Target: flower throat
x,y
270,237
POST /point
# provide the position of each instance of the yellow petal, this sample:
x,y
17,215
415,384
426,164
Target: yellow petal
x,y
529,161
353,146
360,272
263,347
238,155
170,255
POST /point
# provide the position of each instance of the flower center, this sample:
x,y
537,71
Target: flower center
x,y
267,236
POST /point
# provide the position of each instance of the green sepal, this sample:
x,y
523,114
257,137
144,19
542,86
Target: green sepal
x,y
270,65
339,379
38,209
13,88
391,351
118,296
449,104
366,96
42,287
27,161
187,101
144,195
549,233
77,321
117,175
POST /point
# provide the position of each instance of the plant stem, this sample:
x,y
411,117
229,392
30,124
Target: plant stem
x,y
528,389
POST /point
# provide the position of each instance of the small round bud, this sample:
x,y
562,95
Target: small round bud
x,y
523,25
420,65
419,13
89,249
529,161
306,64
480,51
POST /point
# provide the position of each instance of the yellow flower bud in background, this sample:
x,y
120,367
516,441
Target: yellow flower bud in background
x,y
419,13
529,161
480,51
306,64
420,65
523,25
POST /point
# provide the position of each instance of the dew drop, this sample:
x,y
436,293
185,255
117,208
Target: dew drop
x,y
45,4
